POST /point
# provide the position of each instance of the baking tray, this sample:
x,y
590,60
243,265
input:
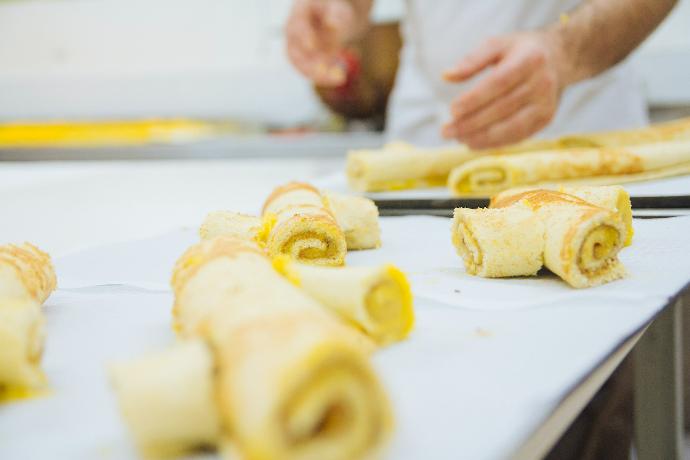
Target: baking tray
x,y
661,206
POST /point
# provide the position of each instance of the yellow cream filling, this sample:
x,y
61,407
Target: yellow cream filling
x,y
267,223
12,394
599,248
471,252
485,179
282,264
333,411
626,216
389,304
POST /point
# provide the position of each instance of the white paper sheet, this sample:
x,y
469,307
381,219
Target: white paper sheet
x,y
466,384
337,182
420,246
471,382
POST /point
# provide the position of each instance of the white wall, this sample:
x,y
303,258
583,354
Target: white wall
x,y
104,58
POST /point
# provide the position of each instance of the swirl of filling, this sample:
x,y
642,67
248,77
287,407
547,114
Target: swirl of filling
x,y
308,234
599,249
478,178
334,411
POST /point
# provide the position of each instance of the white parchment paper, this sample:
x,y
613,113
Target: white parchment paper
x,y
488,360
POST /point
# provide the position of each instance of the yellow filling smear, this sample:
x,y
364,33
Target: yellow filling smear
x,y
14,394
626,215
486,179
599,247
406,184
282,264
389,304
267,223
322,246
464,240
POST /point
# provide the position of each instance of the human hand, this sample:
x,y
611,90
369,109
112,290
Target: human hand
x,y
518,96
316,32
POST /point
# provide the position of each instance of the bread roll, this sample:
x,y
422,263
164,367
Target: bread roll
x,y
491,174
497,243
612,197
22,334
400,166
26,273
168,399
377,300
303,226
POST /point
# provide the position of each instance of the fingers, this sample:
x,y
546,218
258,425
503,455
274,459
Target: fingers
x,y
516,68
323,70
339,17
522,124
487,54
311,46
520,96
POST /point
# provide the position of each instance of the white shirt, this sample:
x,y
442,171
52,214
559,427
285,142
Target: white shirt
x,y
438,33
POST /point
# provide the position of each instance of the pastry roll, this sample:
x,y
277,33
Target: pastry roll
x,y
581,241
377,300
292,381
21,346
168,399
612,197
576,240
219,273
292,385
400,166
497,243
230,224
358,217
492,174
228,276
303,227
26,273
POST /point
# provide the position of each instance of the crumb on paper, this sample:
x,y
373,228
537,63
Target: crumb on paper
x,y
481,332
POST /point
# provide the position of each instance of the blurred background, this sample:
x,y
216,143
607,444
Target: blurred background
x,y
85,60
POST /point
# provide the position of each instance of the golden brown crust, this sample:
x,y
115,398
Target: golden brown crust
x,y
201,253
285,189
538,198
33,267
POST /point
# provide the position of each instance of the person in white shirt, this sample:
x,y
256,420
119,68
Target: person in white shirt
x,y
488,73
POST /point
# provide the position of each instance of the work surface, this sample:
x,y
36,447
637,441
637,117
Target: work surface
x,y
488,361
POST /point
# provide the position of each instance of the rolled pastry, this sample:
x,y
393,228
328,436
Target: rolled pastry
x,y
230,277
581,241
303,226
230,224
293,382
26,273
492,174
612,197
358,218
168,399
497,243
291,385
377,300
21,346
400,166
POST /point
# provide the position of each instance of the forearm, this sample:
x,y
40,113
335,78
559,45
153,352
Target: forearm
x,y
599,34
